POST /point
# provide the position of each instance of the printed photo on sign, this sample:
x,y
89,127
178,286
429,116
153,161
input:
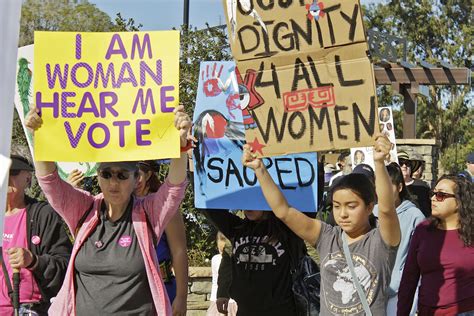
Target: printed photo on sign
x,y
306,65
362,155
106,93
387,128
220,118
24,100
365,154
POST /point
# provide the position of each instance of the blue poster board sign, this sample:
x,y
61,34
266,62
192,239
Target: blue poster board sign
x,y
220,179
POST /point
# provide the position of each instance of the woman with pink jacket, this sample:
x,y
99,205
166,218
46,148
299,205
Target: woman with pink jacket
x,y
113,267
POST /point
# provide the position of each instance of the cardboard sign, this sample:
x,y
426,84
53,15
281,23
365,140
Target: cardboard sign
x,y
106,96
23,102
366,154
305,64
220,179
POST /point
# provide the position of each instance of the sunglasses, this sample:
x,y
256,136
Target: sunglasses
x,y
405,162
441,196
14,173
121,175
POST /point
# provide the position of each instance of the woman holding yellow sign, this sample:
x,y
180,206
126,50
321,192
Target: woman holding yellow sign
x,y
114,267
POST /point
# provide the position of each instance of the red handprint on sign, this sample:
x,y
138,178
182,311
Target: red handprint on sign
x,y
211,85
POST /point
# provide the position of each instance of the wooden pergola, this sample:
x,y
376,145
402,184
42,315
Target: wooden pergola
x,y
406,78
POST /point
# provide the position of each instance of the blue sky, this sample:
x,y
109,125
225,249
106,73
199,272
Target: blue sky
x,y
165,14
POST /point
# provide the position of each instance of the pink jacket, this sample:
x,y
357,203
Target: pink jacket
x,y
72,203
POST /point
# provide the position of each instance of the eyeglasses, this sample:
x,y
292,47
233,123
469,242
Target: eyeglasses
x,y
121,175
405,162
441,196
14,173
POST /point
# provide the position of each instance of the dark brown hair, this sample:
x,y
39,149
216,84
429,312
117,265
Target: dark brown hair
x,y
464,192
153,183
396,175
361,185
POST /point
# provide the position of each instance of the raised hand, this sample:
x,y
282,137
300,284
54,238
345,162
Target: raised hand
x,y
249,159
183,123
32,120
382,148
75,178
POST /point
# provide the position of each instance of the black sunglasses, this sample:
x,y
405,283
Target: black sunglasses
x,y
14,173
121,175
441,196
405,162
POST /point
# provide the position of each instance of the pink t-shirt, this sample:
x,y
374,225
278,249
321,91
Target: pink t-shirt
x,y
14,235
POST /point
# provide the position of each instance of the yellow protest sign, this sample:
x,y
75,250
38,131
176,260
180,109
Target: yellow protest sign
x,y
306,81
106,96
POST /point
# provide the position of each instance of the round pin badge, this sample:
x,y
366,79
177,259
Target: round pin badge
x,y
36,240
125,241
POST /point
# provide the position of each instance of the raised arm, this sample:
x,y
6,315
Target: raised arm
x,y
67,201
388,219
178,167
303,226
163,205
223,220
33,122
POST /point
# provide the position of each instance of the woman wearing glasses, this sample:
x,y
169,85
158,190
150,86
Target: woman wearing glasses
x,y
113,267
442,253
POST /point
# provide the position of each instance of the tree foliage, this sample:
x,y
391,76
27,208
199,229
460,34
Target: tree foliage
x,y
208,44
435,31
60,15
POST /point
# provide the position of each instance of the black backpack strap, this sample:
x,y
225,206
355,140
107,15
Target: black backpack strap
x,y
82,220
150,228
6,277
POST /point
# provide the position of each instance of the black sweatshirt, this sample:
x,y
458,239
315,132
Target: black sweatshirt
x,y
224,277
53,251
261,279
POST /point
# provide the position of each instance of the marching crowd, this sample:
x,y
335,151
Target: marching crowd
x,y
390,245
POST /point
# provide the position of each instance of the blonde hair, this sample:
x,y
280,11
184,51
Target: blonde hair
x,y
221,240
